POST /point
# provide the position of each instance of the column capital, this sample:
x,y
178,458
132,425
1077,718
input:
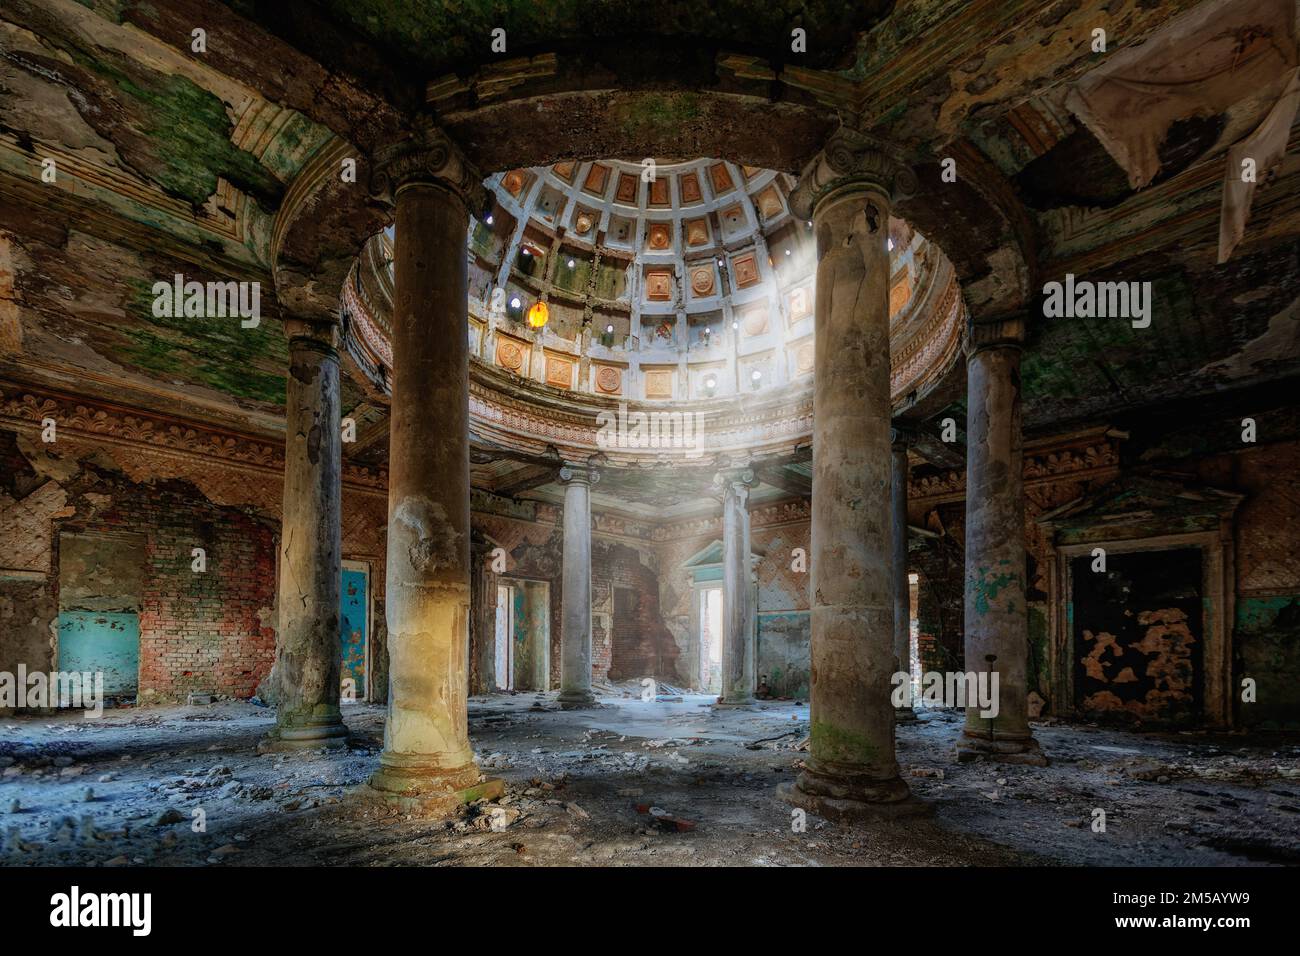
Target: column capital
x,y
311,330
852,160
1006,332
428,156
578,474
901,437
734,481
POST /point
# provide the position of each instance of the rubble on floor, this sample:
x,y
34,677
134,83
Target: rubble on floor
x,y
634,782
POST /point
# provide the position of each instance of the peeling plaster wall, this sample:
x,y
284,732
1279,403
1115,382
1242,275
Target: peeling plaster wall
x,y
211,632
783,651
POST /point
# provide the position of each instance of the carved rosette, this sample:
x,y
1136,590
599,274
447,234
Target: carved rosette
x,y
427,156
852,160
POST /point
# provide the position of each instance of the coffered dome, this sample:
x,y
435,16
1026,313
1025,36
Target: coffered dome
x,y
662,284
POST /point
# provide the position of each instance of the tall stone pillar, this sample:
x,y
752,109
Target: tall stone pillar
x,y
737,589
997,629
851,770
482,619
575,624
308,648
427,760
902,591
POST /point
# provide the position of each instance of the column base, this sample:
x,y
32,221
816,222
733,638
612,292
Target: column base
x,y
1017,750
735,702
430,790
329,733
847,799
577,700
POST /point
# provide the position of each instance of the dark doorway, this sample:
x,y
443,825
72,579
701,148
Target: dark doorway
x,y
1139,636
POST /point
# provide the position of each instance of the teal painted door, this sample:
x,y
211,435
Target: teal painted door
x,y
102,642
353,629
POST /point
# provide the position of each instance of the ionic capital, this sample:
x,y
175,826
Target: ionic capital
x,y
856,161
427,156
578,474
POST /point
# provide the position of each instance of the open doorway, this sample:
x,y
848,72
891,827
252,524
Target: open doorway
x,y
523,635
505,658
710,627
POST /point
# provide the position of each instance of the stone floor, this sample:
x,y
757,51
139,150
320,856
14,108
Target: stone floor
x,y
125,789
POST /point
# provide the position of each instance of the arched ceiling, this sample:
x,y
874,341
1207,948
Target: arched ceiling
x,y
681,285
214,164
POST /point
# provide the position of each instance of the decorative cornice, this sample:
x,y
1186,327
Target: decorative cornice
x,y
852,158
1090,455
427,156
27,410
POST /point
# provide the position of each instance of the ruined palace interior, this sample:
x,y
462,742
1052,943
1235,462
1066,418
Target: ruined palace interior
x,y
676,434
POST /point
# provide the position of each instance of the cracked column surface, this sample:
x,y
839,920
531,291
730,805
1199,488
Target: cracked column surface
x,y
997,629
575,625
851,771
902,591
308,650
737,590
427,756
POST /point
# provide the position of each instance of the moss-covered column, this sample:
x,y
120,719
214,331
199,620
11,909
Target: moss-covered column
x,y
997,633
575,624
851,770
902,590
308,649
427,756
738,681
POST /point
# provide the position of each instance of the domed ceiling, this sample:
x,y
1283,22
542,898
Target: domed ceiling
x,y
665,285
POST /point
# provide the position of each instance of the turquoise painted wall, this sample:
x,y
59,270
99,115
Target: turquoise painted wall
x,y
353,628
102,641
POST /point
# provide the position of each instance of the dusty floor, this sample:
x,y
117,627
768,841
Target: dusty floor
x,y
125,789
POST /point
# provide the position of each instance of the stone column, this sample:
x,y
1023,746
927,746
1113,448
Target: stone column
x,y
482,621
997,630
851,770
308,648
737,589
575,625
427,761
902,592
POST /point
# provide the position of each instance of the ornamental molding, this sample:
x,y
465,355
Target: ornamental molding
x,y
27,410
1090,455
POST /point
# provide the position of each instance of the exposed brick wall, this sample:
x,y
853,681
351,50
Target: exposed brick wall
x,y
211,631
641,645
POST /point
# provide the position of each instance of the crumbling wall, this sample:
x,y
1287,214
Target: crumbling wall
x,y
784,651
211,631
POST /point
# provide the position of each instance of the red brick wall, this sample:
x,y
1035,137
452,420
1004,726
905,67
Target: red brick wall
x,y
210,631
641,645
